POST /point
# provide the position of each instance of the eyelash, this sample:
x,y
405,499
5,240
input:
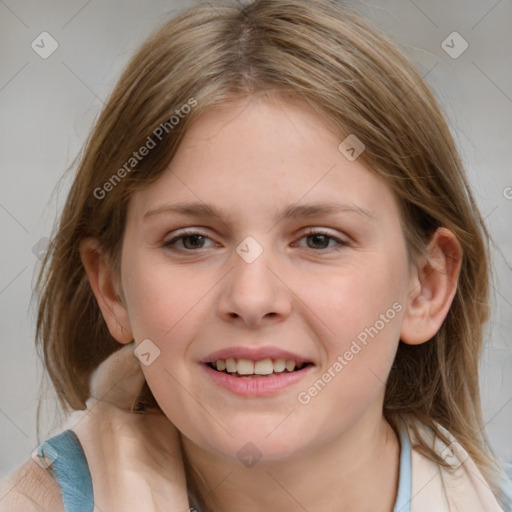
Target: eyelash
x,y
312,232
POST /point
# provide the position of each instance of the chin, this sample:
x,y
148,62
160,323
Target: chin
x,y
252,446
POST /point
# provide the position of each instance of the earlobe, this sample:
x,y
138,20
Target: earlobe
x,y
105,289
433,286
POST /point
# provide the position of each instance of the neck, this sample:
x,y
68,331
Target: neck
x,y
335,476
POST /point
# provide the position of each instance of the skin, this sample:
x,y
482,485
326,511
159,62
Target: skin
x,y
305,294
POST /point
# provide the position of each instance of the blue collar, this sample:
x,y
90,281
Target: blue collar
x,y
403,499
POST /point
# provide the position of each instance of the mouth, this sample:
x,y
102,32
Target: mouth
x,y
263,368
254,372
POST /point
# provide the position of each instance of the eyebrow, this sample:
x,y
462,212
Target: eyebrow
x,y
293,211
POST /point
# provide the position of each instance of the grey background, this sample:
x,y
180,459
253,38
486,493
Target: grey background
x,y
48,105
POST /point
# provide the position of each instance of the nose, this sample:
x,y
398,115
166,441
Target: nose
x,y
254,294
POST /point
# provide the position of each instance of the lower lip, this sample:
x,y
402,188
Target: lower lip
x,y
256,386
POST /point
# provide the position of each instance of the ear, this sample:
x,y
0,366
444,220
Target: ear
x,y
106,290
433,285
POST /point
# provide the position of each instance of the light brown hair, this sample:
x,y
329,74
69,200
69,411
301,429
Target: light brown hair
x,y
360,83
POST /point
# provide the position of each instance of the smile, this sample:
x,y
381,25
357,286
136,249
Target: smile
x,y
261,368
255,371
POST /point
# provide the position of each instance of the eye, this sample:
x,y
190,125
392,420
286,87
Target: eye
x,y
191,240
321,240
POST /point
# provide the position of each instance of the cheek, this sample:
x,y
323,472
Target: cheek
x,y
364,312
360,354
167,307
359,298
160,299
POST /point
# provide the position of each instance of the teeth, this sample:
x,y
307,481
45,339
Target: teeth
x,y
279,365
290,366
245,367
262,367
230,365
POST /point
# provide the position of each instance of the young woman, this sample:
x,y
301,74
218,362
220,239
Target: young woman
x,y
269,283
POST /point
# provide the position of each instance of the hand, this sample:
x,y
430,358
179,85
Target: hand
x,y
134,458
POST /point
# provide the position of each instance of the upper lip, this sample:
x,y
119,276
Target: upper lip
x,y
254,354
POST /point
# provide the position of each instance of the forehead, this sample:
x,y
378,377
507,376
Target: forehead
x,y
261,154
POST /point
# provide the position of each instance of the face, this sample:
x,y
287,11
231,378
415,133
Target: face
x,y
263,249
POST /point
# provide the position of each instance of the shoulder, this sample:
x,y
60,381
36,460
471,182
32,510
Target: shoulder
x,y
457,484
30,488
